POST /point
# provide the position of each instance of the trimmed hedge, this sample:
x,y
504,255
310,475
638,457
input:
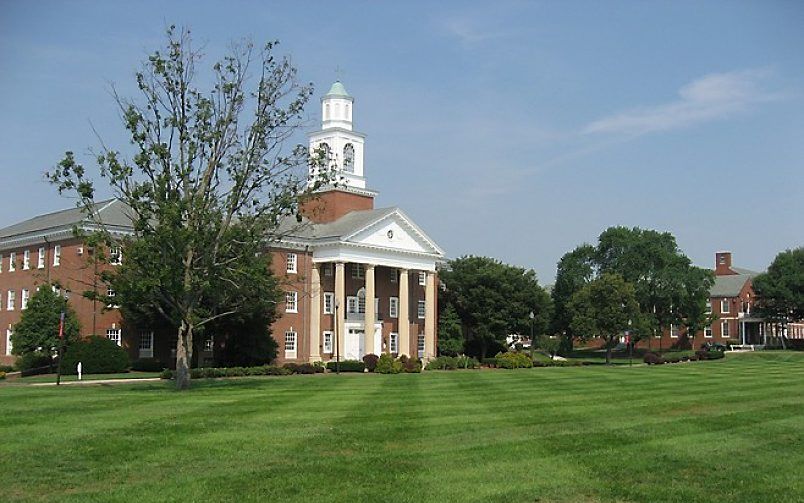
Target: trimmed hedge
x,y
214,372
513,360
98,355
388,365
147,365
348,366
371,361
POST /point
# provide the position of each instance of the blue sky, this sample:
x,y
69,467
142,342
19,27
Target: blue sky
x,y
511,129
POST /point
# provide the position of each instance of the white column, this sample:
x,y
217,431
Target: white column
x,y
315,313
370,315
404,317
429,316
340,301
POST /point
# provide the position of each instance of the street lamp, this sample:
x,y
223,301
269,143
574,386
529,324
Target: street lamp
x,y
337,342
532,342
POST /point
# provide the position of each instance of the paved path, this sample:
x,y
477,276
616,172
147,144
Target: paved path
x,y
99,381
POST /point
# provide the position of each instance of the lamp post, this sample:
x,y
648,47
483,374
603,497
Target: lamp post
x,y
337,342
532,342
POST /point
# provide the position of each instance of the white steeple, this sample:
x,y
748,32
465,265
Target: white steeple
x,y
344,146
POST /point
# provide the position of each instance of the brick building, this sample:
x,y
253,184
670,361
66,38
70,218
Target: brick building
x,y
344,254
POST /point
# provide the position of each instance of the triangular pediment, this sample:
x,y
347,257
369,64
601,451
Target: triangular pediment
x,y
394,231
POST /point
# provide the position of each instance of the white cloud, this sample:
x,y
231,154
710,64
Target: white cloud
x,y
711,97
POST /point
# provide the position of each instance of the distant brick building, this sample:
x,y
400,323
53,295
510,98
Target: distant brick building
x,y
357,279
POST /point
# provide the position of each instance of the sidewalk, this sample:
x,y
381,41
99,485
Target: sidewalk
x,y
98,381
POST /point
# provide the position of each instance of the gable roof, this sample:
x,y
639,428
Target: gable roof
x,y
730,285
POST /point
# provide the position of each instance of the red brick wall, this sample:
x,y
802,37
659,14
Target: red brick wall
x,y
333,204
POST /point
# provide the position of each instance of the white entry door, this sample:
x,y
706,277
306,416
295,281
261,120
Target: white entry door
x,y
354,344
378,349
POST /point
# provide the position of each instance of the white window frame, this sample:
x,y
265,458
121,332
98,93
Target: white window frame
x,y
1,262
115,335
394,275
291,302
11,300
291,341
26,260
352,305
708,307
708,332
725,306
291,263
25,295
394,343
393,307
56,255
422,278
326,345
111,294
674,331
146,344
420,345
115,255
12,258
329,303
725,333
421,309
9,345
209,344
40,259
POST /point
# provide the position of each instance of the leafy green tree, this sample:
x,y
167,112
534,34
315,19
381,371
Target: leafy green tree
x,y
694,311
38,329
780,290
575,270
450,332
493,300
550,345
605,308
210,181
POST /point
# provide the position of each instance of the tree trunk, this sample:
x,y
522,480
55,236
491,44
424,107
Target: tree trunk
x,y
608,352
184,354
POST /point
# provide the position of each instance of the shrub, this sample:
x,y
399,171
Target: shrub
x,y
98,355
443,363
166,374
466,362
2,375
6,368
412,365
371,361
710,355
147,365
489,362
348,366
309,368
291,366
387,365
30,361
274,370
652,359
513,360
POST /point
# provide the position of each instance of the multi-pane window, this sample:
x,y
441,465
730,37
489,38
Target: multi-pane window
x,y
724,329
26,259
708,332
115,255
349,158
111,294
422,309
146,345
11,300
328,270
352,305
56,255
358,272
9,345
290,344
24,299
40,259
674,331
708,307
361,301
394,275
209,344
420,345
329,302
394,342
113,334
724,306
12,262
327,342
393,307
291,263
422,278
291,302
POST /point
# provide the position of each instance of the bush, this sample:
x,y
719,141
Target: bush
x,y
710,355
489,362
291,366
2,375
166,374
371,361
30,361
412,365
274,370
348,366
147,365
98,355
513,360
443,363
309,368
6,368
652,359
387,365
466,362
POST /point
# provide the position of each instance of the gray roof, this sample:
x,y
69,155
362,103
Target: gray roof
x,y
730,285
344,226
114,214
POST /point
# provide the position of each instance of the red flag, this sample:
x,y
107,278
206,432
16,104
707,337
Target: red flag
x,y
61,326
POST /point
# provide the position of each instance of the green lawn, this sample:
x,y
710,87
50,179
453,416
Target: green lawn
x,y
729,430
86,377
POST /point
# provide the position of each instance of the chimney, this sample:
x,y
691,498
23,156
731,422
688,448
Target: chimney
x,y
723,263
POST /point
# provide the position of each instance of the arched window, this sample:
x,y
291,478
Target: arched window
x,y
361,300
326,111
348,112
349,158
337,110
323,156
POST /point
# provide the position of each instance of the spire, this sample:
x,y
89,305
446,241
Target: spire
x,y
337,90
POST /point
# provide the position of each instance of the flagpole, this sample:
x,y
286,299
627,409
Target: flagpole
x,y
61,347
